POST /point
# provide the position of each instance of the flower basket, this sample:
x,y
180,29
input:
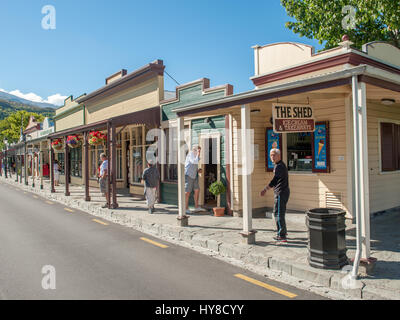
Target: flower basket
x,y
97,138
73,141
57,145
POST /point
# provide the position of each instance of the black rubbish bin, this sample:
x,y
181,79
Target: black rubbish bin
x,y
327,238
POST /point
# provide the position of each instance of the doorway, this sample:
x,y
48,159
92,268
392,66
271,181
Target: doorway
x,y
128,163
210,165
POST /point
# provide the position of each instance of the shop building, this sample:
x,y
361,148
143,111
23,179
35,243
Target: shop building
x,y
350,160
208,132
124,110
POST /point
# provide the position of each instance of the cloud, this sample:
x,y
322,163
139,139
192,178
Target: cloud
x,y
28,96
56,99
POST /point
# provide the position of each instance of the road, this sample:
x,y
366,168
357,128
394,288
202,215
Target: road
x,y
96,259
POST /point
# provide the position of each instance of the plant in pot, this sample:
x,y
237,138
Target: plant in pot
x,y
217,188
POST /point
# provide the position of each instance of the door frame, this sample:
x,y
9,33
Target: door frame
x,y
202,138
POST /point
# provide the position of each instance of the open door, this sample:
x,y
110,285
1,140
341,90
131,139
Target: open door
x,y
211,171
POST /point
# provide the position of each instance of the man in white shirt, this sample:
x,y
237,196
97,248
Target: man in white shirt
x,y
192,178
104,178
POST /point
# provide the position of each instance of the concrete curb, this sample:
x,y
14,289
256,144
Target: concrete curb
x,y
239,252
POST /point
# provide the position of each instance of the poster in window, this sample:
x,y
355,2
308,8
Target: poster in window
x,y
272,140
321,161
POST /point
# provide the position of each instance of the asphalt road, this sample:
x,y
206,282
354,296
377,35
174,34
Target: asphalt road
x,y
93,260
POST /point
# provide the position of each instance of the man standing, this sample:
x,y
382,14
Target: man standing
x,y
192,178
103,178
280,183
151,177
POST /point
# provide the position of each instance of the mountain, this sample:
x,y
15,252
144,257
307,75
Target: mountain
x,y
8,107
11,98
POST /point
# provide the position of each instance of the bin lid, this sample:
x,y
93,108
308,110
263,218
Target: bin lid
x,y
325,212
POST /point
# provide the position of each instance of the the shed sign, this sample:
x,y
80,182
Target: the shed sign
x,y
293,118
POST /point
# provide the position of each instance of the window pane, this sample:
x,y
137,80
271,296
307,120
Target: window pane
x,y
119,163
388,156
299,151
171,167
137,164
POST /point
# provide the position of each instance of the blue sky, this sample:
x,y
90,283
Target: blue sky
x,y
94,39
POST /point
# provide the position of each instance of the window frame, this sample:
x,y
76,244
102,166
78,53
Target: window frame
x,y
165,166
395,149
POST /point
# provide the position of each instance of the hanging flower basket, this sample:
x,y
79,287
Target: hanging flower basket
x,y
73,141
57,145
97,138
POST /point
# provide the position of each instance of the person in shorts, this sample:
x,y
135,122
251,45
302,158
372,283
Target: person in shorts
x,y
192,178
103,178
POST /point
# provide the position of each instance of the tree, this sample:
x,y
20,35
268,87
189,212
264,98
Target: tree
x,y
362,20
10,128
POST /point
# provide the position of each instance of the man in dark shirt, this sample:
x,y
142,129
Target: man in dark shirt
x,y
150,178
280,183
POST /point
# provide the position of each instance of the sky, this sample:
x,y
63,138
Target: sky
x,y
94,39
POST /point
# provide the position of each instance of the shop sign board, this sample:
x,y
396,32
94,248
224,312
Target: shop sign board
x,y
292,118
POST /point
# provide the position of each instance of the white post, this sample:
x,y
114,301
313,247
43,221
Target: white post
x,y
182,217
357,184
248,234
364,172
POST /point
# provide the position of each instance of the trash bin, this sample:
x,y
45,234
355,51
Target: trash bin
x,y
327,238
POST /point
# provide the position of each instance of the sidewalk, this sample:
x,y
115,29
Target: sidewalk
x,y
220,237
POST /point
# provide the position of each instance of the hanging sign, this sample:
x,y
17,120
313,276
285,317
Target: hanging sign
x,y
273,141
292,118
321,147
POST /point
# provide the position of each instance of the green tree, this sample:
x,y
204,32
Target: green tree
x,y
10,128
323,20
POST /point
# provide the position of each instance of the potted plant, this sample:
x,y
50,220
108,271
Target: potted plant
x,y
97,138
217,188
73,141
57,145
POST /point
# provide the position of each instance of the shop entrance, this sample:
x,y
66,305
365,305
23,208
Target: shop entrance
x,y
128,163
210,166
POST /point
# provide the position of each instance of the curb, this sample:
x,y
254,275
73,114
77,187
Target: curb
x,y
239,252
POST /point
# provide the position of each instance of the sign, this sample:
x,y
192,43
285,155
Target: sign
x,y
321,147
273,140
293,118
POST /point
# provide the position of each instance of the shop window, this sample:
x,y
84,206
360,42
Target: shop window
x,y
95,162
299,151
137,157
171,167
119,163
390,146
119,156
61,163
305,151
139,148
76,162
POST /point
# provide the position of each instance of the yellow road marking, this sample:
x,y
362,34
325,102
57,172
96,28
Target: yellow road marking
x,y
154,242
101,222
36,197
49,202
69,210
266,286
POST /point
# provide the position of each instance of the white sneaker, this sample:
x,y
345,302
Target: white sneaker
x,y
199,209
